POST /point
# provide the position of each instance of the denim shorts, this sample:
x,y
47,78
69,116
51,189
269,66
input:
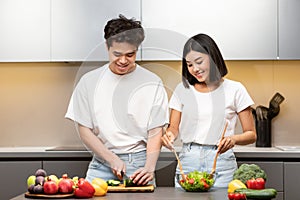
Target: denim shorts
x,y
99,168
200,157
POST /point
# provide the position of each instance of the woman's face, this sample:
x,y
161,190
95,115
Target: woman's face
x,y
198,65
122,57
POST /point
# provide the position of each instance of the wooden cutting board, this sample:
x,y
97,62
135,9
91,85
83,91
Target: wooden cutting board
x,y
45,196
122,188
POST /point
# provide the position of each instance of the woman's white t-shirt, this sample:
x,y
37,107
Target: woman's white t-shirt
x,y
203,115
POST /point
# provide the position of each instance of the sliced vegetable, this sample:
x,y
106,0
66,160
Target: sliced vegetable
x,y
129,183
197,182
268,193
112,182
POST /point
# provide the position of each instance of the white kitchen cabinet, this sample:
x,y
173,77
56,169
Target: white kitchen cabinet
x,y
77,27
243,29
24,30
289,29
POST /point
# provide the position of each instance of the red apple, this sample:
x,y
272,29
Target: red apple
x,y
50,187
65,185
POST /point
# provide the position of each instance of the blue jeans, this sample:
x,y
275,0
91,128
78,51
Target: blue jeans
x,y
99,168
198,157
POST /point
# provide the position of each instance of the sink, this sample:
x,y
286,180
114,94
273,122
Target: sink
x,y
289,148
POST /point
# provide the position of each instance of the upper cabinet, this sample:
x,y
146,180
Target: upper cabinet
x,y
77,27
242,29
25,30
289,29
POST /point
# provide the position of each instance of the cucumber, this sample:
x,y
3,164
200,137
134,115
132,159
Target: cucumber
x,y
267,193
112,182
129,183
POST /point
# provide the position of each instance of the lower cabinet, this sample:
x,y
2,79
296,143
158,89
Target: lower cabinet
x,y
291,178
165,173
14,176
275,176
72,168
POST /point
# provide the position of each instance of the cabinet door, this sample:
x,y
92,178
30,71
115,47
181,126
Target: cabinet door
x,y
25,30
289,29
274,171
72,168
291,178
242,29
165,173
77,27
14,176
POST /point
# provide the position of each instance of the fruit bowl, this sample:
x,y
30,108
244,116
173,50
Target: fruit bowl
x,y
196,182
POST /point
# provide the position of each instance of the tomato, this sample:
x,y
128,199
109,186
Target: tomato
x,y
260,183
231,196
251,184
204,183
191,181
236,196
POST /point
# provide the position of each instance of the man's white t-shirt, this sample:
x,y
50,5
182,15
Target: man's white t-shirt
x,y
203,115
120,109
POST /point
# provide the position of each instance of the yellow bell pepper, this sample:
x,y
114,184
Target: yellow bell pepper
x,y
235,184
100,187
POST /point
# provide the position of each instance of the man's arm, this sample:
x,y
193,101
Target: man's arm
x,y
143,175
98,148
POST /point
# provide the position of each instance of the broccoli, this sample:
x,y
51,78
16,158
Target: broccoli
x,y
249,171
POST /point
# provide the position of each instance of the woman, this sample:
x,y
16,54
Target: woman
x,y
201,105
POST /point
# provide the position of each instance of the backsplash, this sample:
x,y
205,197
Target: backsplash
x,y
35,96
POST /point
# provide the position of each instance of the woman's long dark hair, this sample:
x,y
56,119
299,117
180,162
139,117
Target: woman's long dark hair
x,y
204,44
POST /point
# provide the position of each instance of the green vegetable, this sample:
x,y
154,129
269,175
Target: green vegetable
x,y
268,193
197,182
113,182
129,183
249,171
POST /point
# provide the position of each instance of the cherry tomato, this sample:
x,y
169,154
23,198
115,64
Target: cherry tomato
x,y
231,196
191,181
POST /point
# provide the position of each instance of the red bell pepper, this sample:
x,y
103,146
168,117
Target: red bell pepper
x,y
84,189
258,183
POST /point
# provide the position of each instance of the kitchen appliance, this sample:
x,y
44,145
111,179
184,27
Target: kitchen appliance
x,y
263,117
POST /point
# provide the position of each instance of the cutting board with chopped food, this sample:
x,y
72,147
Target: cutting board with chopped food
x,y
122,188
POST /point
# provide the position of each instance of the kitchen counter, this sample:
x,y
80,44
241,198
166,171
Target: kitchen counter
x,y
81,152
160,193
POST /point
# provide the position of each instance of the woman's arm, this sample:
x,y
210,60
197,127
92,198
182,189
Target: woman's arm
x,y
247,137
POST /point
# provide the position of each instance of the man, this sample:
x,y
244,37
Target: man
x,y
120,109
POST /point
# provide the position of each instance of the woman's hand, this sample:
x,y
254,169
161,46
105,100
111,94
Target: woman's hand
x,y
226,144
168,140
142,176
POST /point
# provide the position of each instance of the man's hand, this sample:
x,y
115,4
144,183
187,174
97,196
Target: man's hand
x,y
142,176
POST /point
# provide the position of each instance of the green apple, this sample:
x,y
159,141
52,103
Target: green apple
x,y
53,178
31,180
